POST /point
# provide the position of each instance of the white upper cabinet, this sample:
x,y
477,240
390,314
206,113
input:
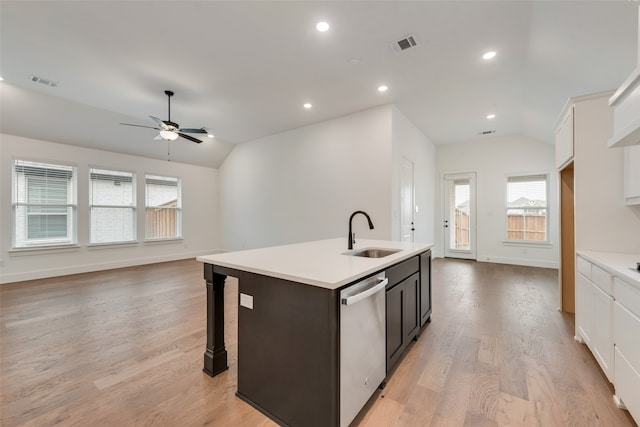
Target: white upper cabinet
x,y
626,112
626,108
564,138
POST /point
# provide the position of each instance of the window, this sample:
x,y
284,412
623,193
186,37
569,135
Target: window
x,y
163,207
527,208
111,206
44,204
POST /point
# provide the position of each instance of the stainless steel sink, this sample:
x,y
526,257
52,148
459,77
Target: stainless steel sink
x,y
373,252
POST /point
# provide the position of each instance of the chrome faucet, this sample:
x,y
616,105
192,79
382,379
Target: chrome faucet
x,y
352,236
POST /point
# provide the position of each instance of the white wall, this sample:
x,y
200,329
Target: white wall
x,y
492,160
602,221
410,143
200,222
303,184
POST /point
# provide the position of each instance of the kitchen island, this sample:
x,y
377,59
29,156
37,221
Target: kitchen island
x,y
289,322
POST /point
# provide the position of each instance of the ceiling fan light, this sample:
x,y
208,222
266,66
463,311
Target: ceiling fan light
x,y
168,135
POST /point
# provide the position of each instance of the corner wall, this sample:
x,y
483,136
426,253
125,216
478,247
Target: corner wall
x,y
199,215
492,159
303,184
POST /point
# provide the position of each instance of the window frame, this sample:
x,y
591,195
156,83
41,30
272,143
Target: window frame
x,y
20,195
132,207
177,208
522,177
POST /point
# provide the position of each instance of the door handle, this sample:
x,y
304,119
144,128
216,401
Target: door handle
x,y
446,223
366,293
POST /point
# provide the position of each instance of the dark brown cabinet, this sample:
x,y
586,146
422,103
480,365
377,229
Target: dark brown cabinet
x,y
395,334
408,302
403,317
411,313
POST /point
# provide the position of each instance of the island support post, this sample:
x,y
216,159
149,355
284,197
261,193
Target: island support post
x,y
215,356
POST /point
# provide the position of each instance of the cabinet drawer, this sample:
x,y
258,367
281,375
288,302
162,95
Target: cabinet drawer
x,y
584,267
628,296
626,331
627,384
602,279
399,272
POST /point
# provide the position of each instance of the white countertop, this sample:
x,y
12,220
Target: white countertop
x,y
617,264
320,263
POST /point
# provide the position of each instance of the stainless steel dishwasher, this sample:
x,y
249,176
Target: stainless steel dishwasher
x,y
362,344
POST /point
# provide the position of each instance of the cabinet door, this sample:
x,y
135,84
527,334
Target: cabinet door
x,y
425,287
583,308
411,307
395,334
627,384
602,333
632,175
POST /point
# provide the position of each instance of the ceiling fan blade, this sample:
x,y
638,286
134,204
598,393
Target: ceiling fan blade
x,y
188,130
139,126
158,138
160,122
190,138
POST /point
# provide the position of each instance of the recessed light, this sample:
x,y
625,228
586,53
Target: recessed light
x,y
322,26
1,79
307,105
382,88
489,55
491,116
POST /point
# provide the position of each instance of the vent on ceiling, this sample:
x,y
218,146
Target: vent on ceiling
x,y
42,80
404,44
486,132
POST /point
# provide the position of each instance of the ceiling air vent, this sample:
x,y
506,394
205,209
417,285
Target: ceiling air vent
x,y
486,132
404,44
42,80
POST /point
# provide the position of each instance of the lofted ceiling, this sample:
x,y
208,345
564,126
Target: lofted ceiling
x,y
243,69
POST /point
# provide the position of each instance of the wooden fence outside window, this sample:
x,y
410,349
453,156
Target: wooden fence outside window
x,y
162,222
519,227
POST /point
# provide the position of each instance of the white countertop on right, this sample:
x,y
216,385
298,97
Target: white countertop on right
x,y
620,265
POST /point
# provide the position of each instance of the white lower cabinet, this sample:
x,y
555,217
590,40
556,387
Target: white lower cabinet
x,y
626,330
594,314
602,335
584,308
627,384
608,322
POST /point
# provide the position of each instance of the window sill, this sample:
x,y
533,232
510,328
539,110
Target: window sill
x,y
530,243
43,250
160,241
110,245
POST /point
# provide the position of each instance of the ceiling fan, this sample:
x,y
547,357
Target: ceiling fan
x,y
169,130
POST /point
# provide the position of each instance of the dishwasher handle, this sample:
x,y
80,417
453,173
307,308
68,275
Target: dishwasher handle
x,y
366,293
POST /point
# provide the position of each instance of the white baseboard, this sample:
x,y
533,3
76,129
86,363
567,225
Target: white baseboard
x,y
87,268
519,261
619,403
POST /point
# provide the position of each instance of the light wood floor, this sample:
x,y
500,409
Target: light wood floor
x,y
124,348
